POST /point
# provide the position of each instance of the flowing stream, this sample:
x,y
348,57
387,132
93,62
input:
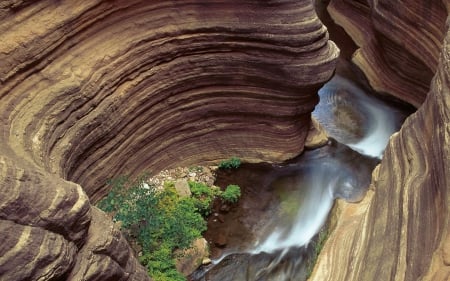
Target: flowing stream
x,y
355,118
271,234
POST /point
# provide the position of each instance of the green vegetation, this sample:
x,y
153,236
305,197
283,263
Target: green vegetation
x,y
158,220
318,244
232,163
231,194
161,221
203,197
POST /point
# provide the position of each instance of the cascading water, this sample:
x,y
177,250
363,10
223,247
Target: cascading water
x,y
303,191
356,119
301,217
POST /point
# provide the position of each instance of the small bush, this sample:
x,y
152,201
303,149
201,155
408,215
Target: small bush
x,y
232,163
231,194
158,220
199,189
202,196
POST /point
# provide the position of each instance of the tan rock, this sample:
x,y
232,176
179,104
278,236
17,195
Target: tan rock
x,y
392,47
91,90
317,136
189,260
33,253
446,250
206,261
182,187
106,254
400,230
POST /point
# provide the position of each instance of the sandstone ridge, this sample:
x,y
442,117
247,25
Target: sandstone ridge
x,y
401,230
94,89
399,42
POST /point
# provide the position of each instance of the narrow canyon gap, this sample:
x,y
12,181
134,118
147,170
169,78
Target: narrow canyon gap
x,y
400,231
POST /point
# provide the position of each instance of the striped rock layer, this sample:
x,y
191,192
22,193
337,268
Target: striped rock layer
x,y
93,89
401,230
400,42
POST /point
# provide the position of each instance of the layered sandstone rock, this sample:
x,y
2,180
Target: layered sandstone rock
x,y
98,88
92,89
401,230
50,231
399,42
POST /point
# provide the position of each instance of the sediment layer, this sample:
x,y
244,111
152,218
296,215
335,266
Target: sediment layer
x,y
95,89
401,230
399,43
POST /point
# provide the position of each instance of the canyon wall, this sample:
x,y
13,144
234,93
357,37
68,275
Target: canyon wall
x,y
401,230
93,89
399,42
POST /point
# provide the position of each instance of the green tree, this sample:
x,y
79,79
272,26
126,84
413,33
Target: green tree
x,y
158,220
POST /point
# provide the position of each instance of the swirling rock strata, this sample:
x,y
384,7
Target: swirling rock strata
x,y
151,85
401,230
49,229
94,89
399,42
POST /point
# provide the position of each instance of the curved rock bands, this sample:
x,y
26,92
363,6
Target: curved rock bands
x,y
399,43
401,230
32,253
33,197
142,74
49,227
106,254
90,90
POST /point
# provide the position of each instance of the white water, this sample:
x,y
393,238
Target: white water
x,y
381,120
343,109
314,203
322,182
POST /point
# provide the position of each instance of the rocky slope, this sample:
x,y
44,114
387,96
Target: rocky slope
x,y
94,89
401,230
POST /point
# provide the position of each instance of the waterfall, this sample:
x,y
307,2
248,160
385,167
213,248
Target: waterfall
x,y
304,190
356,119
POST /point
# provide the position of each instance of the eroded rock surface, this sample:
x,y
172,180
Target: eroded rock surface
x,y
93,89
401,231
158,84
399,42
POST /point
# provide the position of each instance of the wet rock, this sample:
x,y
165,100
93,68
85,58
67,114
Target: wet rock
x,y
400,229
317,136
258,267
221,240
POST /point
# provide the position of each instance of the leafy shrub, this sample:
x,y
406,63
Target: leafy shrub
x,y
232,163
199,189
203,197
231,194
158,220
